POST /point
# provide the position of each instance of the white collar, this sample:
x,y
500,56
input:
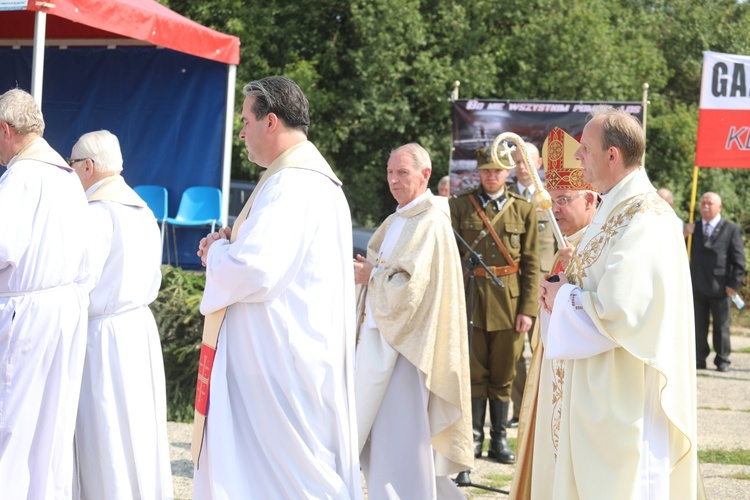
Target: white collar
x,y
531,187
713,222
412,202
496,195
92,189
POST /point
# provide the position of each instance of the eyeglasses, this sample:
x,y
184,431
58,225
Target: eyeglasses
x,y
563,201
72,161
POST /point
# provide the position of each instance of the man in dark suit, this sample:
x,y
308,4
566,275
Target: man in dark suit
x,y
717,266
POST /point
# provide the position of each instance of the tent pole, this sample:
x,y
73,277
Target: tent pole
x,y
226,163
37,65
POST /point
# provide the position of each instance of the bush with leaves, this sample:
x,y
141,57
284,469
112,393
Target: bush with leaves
x,y
177,313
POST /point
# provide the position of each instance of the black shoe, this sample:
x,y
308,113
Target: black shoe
x,y
700,365
513,423
722,367
463,479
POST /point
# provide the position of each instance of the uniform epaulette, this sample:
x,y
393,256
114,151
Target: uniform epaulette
x,y
464,193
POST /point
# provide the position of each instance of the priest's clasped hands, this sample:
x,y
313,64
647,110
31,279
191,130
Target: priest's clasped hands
x,y
224,233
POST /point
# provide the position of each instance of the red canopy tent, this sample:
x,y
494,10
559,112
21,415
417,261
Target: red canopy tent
x,y
128,22
62,24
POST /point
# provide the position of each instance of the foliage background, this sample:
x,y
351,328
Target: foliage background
x,y
177,312
379,73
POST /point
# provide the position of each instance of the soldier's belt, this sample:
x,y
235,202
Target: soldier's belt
x,y
497,271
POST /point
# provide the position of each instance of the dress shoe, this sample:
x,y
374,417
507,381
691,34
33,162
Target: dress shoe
x,y
722,367
513,423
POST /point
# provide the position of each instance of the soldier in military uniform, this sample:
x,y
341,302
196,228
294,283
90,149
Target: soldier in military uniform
x,y
524,186
501,316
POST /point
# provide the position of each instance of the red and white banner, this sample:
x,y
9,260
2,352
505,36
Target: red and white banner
x,y
724,119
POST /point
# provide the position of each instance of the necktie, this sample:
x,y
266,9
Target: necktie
x,y
526,193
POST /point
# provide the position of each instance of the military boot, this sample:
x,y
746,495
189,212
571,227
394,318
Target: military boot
x,y
478,412
499,449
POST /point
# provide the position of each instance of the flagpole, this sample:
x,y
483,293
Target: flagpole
x,y
692,208
454,97
645,116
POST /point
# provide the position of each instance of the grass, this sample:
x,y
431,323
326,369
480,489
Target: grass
x,y
746,477
498,480
724,457
741,322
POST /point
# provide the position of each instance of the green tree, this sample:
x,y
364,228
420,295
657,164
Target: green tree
x,y
378,73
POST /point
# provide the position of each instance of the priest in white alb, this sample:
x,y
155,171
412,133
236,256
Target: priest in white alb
x,y
44,286
275,412
621,319
412,372
122,449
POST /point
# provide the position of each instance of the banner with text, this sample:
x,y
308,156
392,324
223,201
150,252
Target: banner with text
x,y
476,123
724,117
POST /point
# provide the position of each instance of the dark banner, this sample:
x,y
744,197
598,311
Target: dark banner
x,y
476,123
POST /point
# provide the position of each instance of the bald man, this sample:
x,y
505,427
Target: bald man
x,y
444,186
717,266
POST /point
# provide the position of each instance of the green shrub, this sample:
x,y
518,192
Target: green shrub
x,y
180,322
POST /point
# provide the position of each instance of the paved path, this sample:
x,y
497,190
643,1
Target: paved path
x,y
723,423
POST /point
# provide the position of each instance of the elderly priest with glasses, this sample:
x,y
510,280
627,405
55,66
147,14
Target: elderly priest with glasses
x,y
122,449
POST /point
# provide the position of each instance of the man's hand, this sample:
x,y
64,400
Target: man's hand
x,y
223,233
362,270
688,228
731,292
523,323
548,291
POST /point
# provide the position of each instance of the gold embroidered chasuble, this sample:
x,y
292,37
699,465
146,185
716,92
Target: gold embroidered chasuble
x,y
417,302
536,407
632,268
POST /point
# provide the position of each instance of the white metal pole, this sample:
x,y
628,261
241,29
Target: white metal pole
x,y
37,62
226,163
